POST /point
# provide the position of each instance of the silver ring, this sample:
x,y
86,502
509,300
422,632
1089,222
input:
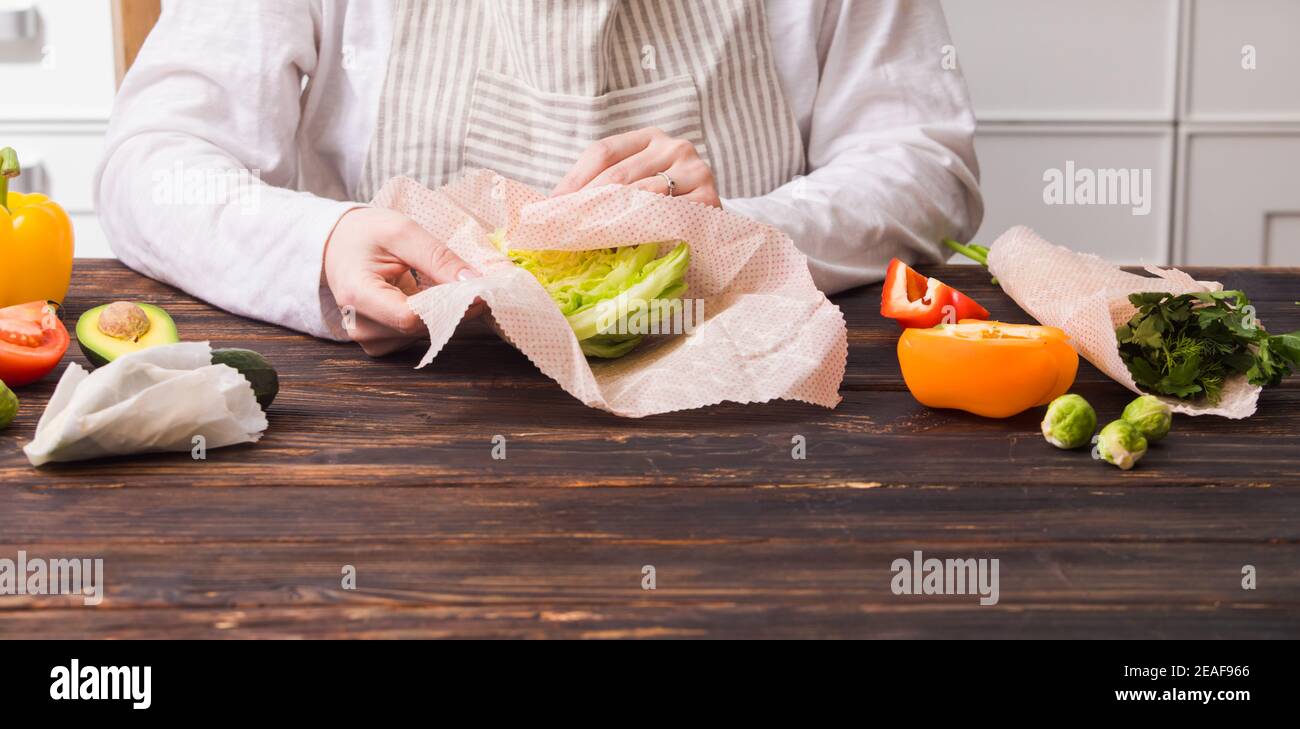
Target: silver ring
x,y
672,186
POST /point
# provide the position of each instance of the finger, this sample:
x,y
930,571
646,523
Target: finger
x,y
639,166
704,194
695,182
382,303
687,176
602,155
656,184
376,339
407,284
430,257
381,347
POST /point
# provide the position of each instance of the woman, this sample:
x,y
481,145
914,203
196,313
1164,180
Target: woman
x,y
834,120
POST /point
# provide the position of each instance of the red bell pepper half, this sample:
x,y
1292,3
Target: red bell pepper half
x,y
917,302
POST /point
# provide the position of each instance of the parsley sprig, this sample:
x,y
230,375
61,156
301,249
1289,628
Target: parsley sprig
x,y
1187,346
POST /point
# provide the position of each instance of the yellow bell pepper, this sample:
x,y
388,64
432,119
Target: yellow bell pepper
x,y
986,367
36,243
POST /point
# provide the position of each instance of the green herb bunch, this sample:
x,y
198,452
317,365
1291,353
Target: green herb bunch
x,y
1187,346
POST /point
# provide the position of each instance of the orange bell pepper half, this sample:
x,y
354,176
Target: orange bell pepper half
x,y
913,300
36,243
987,368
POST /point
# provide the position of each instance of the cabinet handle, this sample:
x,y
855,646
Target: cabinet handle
x,y
33,179
17,24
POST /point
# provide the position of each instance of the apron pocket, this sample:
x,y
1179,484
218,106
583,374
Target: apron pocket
x,y
534,137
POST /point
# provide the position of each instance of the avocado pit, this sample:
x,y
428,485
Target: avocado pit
x,y
124,320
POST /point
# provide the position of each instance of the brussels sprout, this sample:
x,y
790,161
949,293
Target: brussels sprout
x,y
1121,444
8,406
1150,415
1070,422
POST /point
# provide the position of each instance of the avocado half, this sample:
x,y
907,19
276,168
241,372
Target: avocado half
x,y
101,349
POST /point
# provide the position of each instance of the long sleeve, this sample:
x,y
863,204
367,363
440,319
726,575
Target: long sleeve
x,y
195,187
890,147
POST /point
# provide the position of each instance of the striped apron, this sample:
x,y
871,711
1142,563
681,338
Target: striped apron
x,y
522,87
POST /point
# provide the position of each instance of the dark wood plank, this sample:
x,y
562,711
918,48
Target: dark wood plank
x,y
878,438
331,436
838,586
541,618
700,516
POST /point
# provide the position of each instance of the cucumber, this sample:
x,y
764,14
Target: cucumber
x,y
254,367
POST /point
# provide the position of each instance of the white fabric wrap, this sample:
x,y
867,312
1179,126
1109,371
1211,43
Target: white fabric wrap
x,y
154,400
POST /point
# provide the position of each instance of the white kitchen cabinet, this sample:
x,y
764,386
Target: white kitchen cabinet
x,y
1243,60
56,59
1282,244
58,160
1205,92
1132,228
1241,203
56,63
91,241
1066,60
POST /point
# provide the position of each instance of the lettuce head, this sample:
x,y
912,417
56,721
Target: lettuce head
x,y
598,290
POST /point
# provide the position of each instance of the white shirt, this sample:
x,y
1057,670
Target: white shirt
x,y
889,135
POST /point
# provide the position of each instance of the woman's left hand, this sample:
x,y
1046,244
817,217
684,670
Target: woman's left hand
x,y
636,159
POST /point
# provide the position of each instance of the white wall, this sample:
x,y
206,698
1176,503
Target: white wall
x,y
1205,94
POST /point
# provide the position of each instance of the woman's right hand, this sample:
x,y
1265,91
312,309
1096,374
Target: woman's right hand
x,y
368,262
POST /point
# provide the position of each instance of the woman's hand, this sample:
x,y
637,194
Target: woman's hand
x,y
636,159
368,262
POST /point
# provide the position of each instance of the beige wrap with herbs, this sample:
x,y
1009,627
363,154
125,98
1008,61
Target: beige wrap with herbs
x,y
1089,298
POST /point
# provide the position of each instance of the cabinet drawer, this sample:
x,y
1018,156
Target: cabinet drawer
x,y
1050,60
1221,84
56,59
1241,203
59,164
1024,180
91,241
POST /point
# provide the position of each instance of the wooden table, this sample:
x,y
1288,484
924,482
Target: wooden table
x,y
386,468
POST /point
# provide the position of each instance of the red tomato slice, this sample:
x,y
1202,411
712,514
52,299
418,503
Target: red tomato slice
x,y
32,343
